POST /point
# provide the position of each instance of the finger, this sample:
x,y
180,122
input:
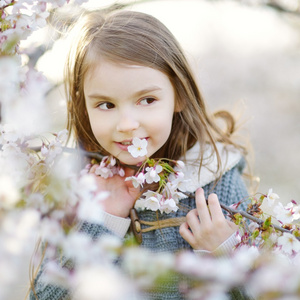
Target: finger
x,y
192,220
129,172
215,208
186,234
93,168
202,208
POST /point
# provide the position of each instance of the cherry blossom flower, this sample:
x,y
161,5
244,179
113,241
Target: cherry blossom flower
x,y
76,245
91,209
178,182
8,134
152,203
284,213
172,189
145,267
55,274
152,173
140,204
169,205
108,168
138,180
51,151
51,231
9,78
51,191
289,243
104,172
87,279
37,201
138,147
86,187
180,164
271,197
109,246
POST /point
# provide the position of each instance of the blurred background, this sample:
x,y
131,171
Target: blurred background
x,y
246,57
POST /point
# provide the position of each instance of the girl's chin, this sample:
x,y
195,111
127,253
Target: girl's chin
x,y
133,161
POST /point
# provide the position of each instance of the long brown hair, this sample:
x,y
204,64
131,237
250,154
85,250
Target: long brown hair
x,y
136,38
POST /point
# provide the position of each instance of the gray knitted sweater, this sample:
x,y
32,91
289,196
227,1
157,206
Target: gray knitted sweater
x,y
230,189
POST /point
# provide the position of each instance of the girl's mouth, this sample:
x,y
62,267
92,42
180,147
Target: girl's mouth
x,y
123,145
126,143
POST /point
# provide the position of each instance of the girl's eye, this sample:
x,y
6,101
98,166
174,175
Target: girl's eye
x,y
106,105
147,101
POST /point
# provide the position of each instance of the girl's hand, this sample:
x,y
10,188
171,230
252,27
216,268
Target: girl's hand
x,y
122,193
206,227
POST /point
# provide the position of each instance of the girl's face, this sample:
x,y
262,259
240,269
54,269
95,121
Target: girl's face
x,y
127,101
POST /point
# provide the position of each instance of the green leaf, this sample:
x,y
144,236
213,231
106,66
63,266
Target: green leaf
x,y
238,218
267,223
255,234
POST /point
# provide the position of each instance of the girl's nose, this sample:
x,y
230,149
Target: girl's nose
x,y
127,123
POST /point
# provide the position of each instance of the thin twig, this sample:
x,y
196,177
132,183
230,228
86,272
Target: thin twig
x,y
230,210
89,154
248,216
233,211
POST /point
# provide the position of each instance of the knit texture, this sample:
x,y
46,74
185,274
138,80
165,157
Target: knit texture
x,y
229,189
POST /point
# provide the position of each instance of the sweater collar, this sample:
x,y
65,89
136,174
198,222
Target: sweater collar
x,y
229,156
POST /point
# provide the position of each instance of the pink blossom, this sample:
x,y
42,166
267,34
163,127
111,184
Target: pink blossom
x,y
138,180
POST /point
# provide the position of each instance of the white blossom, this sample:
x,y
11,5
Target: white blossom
x,y
138,180
91,209
62,136
169,206
104,172
8,134
55,274
180,164
51,231
284,213
152,203
138,147
9,79
152,174
96,282
51,151
289,243
271,197
108,168
76,246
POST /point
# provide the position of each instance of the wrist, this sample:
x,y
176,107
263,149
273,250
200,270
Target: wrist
x,y
116,211
224,249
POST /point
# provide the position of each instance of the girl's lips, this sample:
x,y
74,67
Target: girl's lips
x,y
122,146
126,143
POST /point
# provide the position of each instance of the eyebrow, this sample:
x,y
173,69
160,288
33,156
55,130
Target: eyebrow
x,y
137,94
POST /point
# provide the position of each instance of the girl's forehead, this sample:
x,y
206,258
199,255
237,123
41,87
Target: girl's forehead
x,y
119,62
108,75
107,67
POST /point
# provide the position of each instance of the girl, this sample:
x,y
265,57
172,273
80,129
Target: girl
x,y
127,77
